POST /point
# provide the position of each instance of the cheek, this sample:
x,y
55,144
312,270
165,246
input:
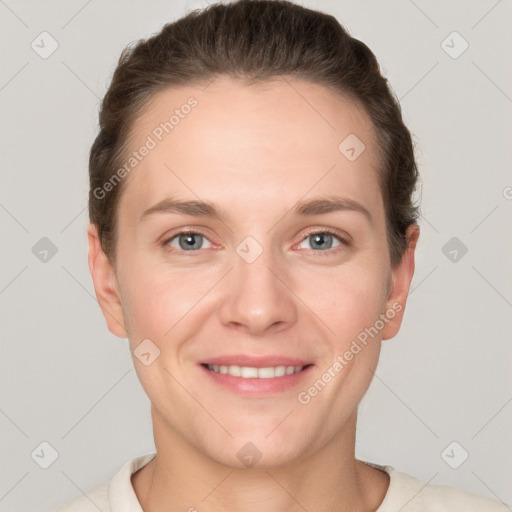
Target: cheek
x,y
347,300
156,298
144,310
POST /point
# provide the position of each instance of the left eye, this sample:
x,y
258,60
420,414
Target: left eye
x,y
322,240
188,241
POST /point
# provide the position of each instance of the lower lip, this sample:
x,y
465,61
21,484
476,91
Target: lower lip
x,y
258,387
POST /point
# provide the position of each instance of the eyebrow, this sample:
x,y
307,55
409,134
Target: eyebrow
x,y
199,208
330,204
194,208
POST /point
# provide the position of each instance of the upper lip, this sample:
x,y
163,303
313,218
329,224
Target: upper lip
x,y
255,361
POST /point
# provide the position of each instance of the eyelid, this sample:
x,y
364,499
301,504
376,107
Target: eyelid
x,y
342,235
344,238
166,239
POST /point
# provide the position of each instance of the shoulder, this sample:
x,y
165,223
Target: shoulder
x,y
113,495
409,494
96,498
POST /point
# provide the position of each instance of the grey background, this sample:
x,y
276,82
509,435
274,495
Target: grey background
x,y
446,377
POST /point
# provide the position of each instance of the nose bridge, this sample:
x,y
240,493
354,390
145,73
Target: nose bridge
x,y
253,264
257,298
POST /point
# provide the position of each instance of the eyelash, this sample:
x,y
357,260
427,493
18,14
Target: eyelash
x,y
327,252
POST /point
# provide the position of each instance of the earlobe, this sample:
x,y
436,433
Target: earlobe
x,y
105,284
401,277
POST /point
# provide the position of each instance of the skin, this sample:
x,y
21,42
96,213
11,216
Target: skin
x,y
254,151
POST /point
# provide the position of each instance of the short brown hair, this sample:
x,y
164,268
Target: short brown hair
x,y
255,40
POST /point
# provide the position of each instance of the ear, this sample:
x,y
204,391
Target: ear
x,y
105,284
401,277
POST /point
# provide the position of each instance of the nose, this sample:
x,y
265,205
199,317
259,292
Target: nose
x,y
258,298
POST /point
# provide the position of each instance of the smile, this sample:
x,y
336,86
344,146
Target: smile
x,y
248,372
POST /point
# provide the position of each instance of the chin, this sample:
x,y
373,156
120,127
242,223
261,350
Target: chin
x,y
257,455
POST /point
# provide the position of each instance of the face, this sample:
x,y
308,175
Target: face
x,y
252,244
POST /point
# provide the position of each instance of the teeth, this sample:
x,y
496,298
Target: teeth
x,y
247,372
280,371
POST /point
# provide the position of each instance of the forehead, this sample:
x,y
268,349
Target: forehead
x,y
274,140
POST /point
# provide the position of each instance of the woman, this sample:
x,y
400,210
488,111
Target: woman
x,y
253,234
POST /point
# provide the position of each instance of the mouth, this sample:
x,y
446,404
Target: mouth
x,y
252,372
256,377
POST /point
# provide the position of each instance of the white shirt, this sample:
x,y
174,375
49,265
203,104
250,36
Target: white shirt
x,y
405,494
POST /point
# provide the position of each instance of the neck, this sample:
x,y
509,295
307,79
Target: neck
x,y
181,478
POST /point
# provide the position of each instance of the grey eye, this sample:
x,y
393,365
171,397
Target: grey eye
x,y
189,241
321,240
